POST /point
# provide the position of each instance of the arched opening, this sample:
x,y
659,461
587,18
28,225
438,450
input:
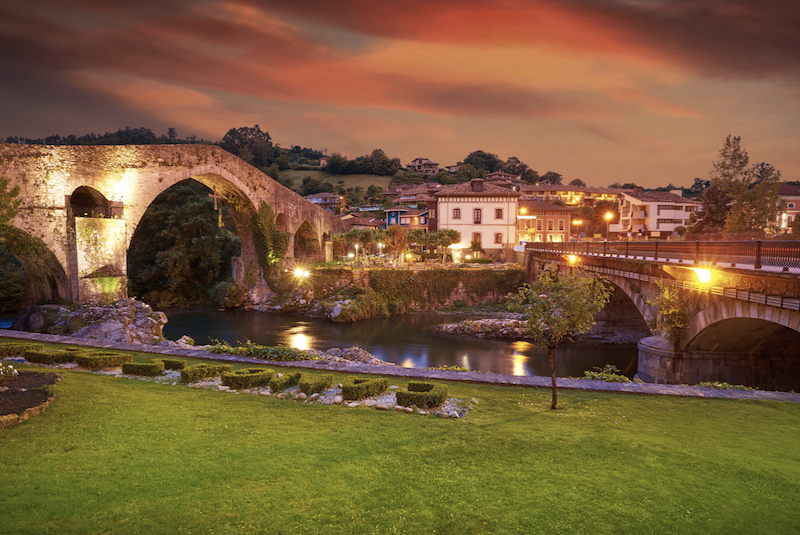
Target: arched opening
x,y
306,243
183,248
88,202
620,321
747,351
280,223
43,277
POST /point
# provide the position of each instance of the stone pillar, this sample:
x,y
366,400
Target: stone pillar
x,y
659,361
328,251
100,263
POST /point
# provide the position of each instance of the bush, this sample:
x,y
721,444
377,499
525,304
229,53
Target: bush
x,y
15,349
608,373
310,384
249,349
148,369
172,364
479,261
49,357
197,372
279,384
357,388
247,377
725,386
101,360
423,395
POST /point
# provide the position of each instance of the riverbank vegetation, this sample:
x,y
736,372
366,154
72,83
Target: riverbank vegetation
x,y
127,456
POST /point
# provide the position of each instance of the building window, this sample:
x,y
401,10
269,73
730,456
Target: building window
x,y
539,224
560,224
477,216
790,205
498,237
456,213
498,213
476,238
549,225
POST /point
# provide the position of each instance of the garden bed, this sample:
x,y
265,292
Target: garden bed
x,y
26,396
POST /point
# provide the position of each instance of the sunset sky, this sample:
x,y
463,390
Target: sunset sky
x,y
638,91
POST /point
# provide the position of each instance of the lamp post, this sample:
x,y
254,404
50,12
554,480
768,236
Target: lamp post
x,y
578,222
608,216
356,253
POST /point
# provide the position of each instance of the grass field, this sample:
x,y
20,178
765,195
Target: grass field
x,y
114,455
350,181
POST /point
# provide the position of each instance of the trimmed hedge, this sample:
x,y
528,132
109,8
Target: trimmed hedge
x,y
49,357
247,377
423,395
279,384
148,369
14,349
101,360
310,384
357,388
200,371
172,364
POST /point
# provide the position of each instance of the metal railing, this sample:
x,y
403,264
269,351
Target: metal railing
x,y
758,254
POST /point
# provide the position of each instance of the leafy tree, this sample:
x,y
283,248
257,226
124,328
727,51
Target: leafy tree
x,y
484,161
671,318
626,185
373,193
313,185
250,144
515,166
445,238
577,182
396,238
172,134
466,172
270,243
558,306
9,203
716,204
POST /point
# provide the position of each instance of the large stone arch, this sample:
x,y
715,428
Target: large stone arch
x,y
46,279
307,243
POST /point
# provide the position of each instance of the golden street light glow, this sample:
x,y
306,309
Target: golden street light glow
x,y
572,258
523,210
577,222
704,275
609,215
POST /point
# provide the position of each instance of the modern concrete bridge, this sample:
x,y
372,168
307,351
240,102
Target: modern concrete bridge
x,y
81,205
742,301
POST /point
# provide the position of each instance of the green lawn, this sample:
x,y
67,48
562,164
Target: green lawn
x,y
116,455
350,181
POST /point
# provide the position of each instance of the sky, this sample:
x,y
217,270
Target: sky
x,y
642,91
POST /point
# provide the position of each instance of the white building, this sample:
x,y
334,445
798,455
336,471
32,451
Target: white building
x,y
480,212
653,214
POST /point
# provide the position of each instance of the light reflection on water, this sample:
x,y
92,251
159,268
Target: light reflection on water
x,y
407,341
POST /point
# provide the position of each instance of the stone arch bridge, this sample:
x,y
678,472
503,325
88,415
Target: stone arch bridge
x,y
82,204
743,324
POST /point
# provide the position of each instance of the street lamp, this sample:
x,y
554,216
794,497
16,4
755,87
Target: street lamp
x,y
609,216
356,253
380,248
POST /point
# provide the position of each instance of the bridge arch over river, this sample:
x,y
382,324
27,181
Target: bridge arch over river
x,y
81,205
743,324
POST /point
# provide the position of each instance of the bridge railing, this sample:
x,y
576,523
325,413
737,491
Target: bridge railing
x,y
758,254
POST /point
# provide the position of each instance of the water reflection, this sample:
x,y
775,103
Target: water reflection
x,y
407,341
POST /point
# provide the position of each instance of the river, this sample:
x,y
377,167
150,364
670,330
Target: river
x,y
404,340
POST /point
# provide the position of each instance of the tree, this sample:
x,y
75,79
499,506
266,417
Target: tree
x,y
396,238
711,218
250,143
626,185
515,166
578,182
172,134
445,238
484,161
466,172
558,306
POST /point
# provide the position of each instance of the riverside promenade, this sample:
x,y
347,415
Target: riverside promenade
x,y
420,373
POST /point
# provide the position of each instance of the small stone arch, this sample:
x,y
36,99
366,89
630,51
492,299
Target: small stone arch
x,y
86,201
306,243
280,223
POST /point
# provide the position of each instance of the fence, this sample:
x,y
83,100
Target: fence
x,y
758,254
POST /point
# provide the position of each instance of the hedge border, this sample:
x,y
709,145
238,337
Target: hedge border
x,y
247,377
14,349
197,372
311,384
279,384
147,369
359,388
422,394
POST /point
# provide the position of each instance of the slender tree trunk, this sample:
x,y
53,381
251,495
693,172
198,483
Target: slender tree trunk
x,y
552,361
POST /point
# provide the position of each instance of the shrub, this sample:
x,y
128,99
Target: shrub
x,y
309,384
247,377
249,349
15,349
101,360
197,372
172,364
608,373
423,395
49,357
7,373
725,386
357,388
279,384
148,369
